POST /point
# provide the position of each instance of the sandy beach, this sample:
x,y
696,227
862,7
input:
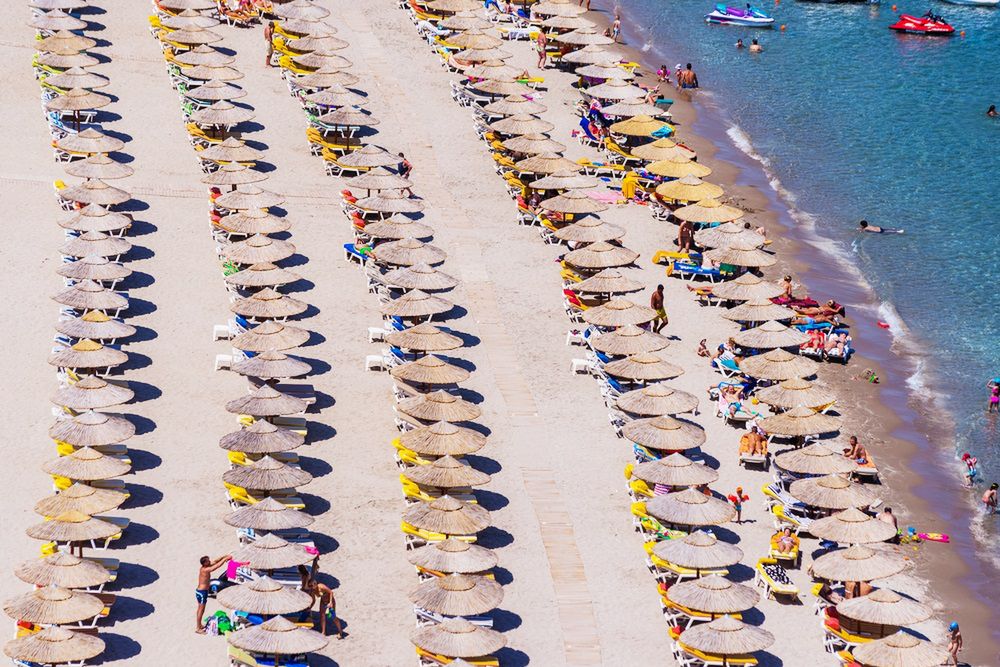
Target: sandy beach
x,y
576,589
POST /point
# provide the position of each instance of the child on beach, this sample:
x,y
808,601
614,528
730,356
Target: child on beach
x,y
994,387
662,74
990,498
737,499
955,642
972,469
703,348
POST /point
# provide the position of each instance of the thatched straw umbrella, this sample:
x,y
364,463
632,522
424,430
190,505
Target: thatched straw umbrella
x,y
264,596
643,367
608,281
204,55
348,117
522,124
662,149
744,254
423,337
770,335
94,269
325,43
439,406
231,150
675,470
408,252
448,516
99,166
600,255
189,18
182,5
690,508
475,39
758,310
618,313
301,10
857,563
798,422
778,365
223,73
655,400
62,570
53,606
419,276
832,492
815,459
679,166
64,41
266,402
397,227
265,274
587,230
453,556
91,393
78,99
699,551
606,70
277,636
442,439
884,607
257,249
270,335
80,498
713,595
796,392
87,354
56,20
72,526
416,303
429,370
664,433
261,437
446,472
89,141
67,59
270,552
325,77
631,108
533,144
95,191
557,8
248,196
457,638
689,188
268,304
233,173
95,325
458,595
269,514
213,91
94,217
629,340
637,126
584,37
481,55
505,87
546,163
726,636
565,180
92,429
852,526
900,650
54,645
267,474
271,365
95,244
86,464
465,20
193,35
513,105
223,113
378,178
368,156
253,221
708,211
728,234
63,5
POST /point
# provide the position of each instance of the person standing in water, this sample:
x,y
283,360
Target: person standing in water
x,y
755,47
955,642
994,387
687,78
992,111
990,498
616,28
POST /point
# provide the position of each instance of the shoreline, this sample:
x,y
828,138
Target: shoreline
x,y
886,415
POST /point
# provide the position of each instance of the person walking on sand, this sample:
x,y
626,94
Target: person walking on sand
x,y
955,642
616,28
737,499
405,168
656,303
585,4
687,78
541,43
327,606
990,499
207,566
994,387
269,38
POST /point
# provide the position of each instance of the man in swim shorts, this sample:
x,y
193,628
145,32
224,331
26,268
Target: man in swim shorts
x,y
656,303
687,78
864,226
207,566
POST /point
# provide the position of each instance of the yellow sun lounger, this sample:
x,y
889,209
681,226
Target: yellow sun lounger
x,y
709,660
286,63
416,535
428,659
772,587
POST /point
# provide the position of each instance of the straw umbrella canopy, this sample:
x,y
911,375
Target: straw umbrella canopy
x,y
87,353
277,636
546,163
369,156
458,595
618,313
588,230
67,59
408,252
62,570
447,515
557,8
457,637
204,55
584,37
857,563
577,202
189,18
618,90
91,393
852,526
264,596
301,10
815,459
99,166
310,43
260,275
416,303
248,197
72,526
690,508
267,474
349,117
656,400
664,433
605,70
742,254
86,464
884,607
253,221
590,55
770,335
713,595
77,77
213,91
182,5
80,498
88,295
92,429
257,249
533,144
758,310
270,335
631,108
565,180
266,401
96,326
558,22
465,20
231,150
391,202
267,303
637,126
64,5
191,36
95,244
446,472
217,73
662,149
225,113
443,439
514,105
232,173
607,281
727,636
475,39
65,41
271,552
699,551
338,96
675,470
522,124
323,58
439,406
53,606
89,141
271,365
832,492
678,167
423,337
95,191
430,369
482,55
795,392
419,276
728,235
378,178
453,556
900,650
644,367
747,287
504,87
261,437
269,514
778,365
325,77
397,227
600,255
799,421
689,188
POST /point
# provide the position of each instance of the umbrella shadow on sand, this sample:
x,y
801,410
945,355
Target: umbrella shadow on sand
x,y
512,657
133,575
131,609
484,464
119,647
135,534
491,500
141,495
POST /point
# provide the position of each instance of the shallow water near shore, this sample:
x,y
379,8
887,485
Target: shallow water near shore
x,y
851,121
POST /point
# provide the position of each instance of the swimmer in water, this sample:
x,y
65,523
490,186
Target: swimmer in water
x,y
739,44
755,47
992,111
865,227
990,498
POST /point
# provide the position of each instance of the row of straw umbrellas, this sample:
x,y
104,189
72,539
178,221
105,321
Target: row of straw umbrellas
x,y
264,475
653,407
442,517
91,458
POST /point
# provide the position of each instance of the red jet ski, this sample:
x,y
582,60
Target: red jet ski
x,y
923,25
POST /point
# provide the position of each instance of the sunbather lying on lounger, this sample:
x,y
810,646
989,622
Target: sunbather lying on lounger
x,y
753,443
831,311
784,542
837,344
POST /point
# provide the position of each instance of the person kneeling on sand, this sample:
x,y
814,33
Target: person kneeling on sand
x,y
856,452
